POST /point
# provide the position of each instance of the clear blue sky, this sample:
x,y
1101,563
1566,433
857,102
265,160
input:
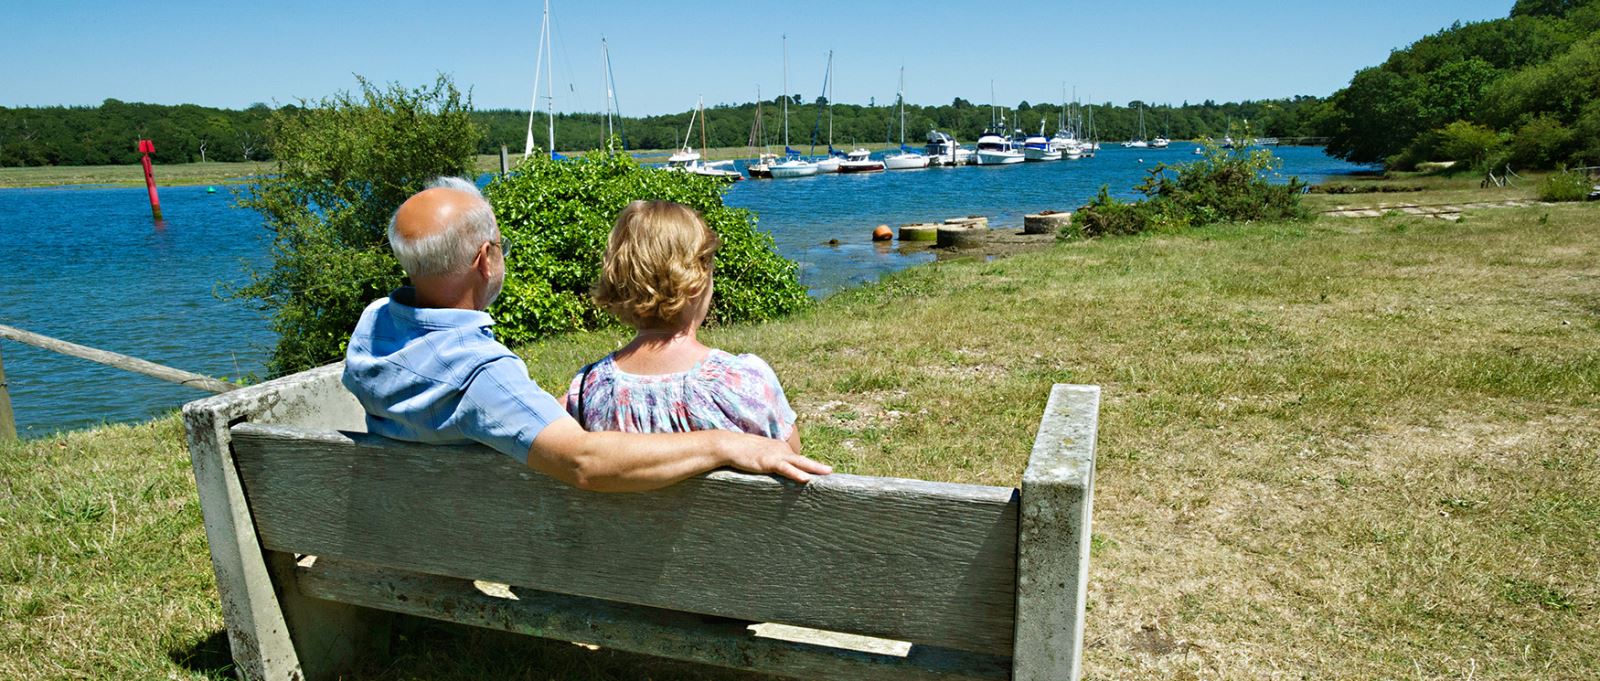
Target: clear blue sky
x,y
665,54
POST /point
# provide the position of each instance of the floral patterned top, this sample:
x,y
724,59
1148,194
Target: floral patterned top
x,y
722,392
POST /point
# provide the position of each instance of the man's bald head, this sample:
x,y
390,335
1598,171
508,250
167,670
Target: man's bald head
x,y
439,230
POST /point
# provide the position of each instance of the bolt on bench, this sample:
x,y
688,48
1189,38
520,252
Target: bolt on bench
x,y
321,534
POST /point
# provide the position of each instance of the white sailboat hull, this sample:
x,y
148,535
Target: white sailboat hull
x,y
828,165
905,162
794,169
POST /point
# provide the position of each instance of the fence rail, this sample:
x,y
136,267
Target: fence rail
x,y
8,425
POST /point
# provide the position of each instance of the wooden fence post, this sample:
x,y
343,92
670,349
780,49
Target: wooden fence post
x,y
505,166
8,422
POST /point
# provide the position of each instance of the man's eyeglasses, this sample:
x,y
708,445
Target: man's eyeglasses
x,y
505,245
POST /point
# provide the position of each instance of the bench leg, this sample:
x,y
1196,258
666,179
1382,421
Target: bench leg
x,y
330,639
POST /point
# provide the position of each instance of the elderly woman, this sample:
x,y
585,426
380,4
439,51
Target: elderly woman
x,y
656,278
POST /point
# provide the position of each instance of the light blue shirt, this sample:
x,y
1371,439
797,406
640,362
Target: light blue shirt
x,y
437,375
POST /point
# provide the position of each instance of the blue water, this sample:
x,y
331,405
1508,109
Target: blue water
x,y
88,265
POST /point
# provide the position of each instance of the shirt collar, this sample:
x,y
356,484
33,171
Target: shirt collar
x,y
438,318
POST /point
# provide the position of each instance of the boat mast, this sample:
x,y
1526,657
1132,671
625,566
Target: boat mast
x,y
605,79
830,103
902,108
550,83
786,94
538,72
703,149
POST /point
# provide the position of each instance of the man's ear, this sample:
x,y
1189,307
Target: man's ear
x,y
480,262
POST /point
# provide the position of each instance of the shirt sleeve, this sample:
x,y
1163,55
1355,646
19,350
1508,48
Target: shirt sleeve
x,y
762,407
504,409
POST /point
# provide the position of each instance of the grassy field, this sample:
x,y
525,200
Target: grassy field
x,y
132,175
1350,448
1428,189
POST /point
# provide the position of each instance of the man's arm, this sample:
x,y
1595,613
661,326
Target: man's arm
x,y
633,462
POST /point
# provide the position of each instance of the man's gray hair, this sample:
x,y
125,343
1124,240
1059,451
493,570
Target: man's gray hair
x,y
452,248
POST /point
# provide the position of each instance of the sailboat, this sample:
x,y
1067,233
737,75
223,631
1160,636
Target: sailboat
x,y
762,166
829,163
1065,141
906,159
1161,141
792,166
1138,142
687,160
613,125
543,66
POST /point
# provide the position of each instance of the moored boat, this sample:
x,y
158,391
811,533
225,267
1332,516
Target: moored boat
x,y
906,159
944,150
860,161
1038,147
994,149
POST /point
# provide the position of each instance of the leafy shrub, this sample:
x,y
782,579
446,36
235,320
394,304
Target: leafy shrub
x,y
1223,186
344,164
1106,216
1468,144
1542,142
560,214
1565,186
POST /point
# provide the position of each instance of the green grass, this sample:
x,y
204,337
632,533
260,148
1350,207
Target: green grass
x,y
132,174
1351,448
1434,188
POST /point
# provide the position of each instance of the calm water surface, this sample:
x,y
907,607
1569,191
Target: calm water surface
x,y
88,265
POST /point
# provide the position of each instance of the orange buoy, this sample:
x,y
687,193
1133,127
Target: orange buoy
x,y
882,233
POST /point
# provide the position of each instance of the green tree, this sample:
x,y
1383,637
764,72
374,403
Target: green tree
x,y
344,164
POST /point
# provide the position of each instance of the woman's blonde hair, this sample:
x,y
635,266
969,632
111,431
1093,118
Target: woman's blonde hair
x,y
657,261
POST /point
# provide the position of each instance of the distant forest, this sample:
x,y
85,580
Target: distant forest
x,y
184,133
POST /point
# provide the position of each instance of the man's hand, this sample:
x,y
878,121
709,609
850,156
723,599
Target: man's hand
x,y
756,454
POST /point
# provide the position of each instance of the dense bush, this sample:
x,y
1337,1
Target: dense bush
x,y
559,213
1565,186
1223,186
343,165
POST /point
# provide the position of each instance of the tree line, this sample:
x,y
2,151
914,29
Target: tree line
x,y
1523,90
185,133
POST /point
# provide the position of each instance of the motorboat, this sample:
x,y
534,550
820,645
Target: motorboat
x,y
860,161
944,150
1160,143
1038,147
994,149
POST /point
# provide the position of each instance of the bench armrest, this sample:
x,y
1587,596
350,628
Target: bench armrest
x,y
1053,538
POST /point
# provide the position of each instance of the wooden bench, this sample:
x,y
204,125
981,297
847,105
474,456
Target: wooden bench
x,y
321,533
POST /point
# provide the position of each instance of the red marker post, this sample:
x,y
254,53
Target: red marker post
x,y
146,148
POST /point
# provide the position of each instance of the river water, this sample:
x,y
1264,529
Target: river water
x,y
88,265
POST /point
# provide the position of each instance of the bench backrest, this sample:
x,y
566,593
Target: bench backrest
x,y
902,559
282,470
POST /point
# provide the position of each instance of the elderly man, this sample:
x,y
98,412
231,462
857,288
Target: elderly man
x,y
427,368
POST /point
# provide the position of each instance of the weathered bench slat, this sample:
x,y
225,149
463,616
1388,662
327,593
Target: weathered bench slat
x,y
931,563
630,628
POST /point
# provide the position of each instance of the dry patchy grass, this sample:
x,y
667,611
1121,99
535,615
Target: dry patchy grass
x,y
1342,449
132,174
